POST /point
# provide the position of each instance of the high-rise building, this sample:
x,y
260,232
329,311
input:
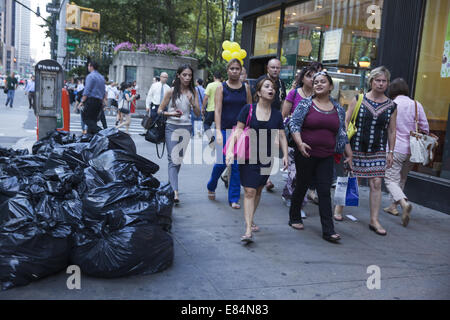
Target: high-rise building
x,y
8,41
22,35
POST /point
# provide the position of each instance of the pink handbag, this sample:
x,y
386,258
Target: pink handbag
x,y
242,146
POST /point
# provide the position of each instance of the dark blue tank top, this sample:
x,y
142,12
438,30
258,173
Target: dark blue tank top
x,y
232,103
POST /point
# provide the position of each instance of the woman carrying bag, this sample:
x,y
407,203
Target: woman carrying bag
x,y
259,117
124,107
375,125
318,129
179,101
406,122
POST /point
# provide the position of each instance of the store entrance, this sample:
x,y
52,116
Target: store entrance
x,y
258,66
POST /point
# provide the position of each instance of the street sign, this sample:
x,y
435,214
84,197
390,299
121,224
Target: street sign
x,y
52,9
75,41
70,48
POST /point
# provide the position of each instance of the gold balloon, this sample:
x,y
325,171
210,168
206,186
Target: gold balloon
x,y
243,54
235,47
226,55
226,45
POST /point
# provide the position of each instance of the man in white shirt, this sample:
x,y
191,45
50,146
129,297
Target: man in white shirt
x,y
156,94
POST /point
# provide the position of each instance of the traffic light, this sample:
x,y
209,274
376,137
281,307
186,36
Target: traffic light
x,y
82,19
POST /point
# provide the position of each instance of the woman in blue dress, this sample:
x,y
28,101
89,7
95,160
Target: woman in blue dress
x,y
266,123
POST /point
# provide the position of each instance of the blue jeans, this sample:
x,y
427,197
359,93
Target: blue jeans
x,y
10,96
234,188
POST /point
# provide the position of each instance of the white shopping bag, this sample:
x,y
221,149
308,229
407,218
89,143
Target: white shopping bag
x,y
347,193
341,191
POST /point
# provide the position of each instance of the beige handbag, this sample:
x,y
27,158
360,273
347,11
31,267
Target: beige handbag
x,y
423,146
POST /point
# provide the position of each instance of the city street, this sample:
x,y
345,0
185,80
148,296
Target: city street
x,y
211,263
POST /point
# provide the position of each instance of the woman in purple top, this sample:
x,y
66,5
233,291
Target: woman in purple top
x,y
396,176
318,129
295,96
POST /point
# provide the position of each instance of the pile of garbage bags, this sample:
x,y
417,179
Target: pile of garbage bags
x,y
89,201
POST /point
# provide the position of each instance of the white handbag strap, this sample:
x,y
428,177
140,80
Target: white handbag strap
x,y
417,117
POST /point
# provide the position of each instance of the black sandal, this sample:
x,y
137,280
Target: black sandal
x,y
334,238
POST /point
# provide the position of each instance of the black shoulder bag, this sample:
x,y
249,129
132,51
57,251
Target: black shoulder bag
x,y
157,133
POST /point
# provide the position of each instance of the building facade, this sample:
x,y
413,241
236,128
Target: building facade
x,y
8,41
410,37
22,40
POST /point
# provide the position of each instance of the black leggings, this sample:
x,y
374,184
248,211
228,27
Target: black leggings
x,y
319,170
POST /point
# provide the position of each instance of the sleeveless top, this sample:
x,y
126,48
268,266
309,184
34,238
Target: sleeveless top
x,y
373,123
232,103
184,105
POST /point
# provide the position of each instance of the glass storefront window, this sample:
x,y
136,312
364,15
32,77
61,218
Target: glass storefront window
x,y
433,79
337,33
266,35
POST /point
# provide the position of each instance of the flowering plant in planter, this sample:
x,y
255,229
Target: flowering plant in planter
x,y
164,49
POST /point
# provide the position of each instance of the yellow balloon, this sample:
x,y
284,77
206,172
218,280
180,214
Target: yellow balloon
x,y
235,47
226,45
226,55
242,62
283,60
236,55
243,54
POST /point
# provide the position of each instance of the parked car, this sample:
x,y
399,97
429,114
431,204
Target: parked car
x,y
2,82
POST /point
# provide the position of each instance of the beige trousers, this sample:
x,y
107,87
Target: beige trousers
x,y
395,178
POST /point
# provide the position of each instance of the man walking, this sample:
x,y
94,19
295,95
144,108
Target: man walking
x,y
209,106
273,72
11,86
156,94
93,98
201,94
30,92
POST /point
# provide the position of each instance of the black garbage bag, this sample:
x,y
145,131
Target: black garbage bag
x,y
133,249
119,140
108,139
8,153
68,155
164,198
25,165
119,165
32,246
53,139
122,234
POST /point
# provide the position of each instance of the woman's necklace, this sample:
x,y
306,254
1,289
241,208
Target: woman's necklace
x,y
304,94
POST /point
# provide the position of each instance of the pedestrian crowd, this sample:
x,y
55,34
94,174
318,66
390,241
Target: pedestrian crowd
x,y
305,127
254,124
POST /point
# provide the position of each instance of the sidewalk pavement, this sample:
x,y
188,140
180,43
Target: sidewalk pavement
x,y
211,263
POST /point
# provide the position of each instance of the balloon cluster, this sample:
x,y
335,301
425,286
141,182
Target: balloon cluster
x,y
232,50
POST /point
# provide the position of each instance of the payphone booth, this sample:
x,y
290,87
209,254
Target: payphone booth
x,y
49,84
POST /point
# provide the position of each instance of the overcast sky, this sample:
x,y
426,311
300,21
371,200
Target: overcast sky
x,y
40,46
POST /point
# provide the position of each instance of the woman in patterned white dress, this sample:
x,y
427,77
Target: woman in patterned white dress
x,y
376,124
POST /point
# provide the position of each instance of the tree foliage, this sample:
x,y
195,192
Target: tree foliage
x,y
197,25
